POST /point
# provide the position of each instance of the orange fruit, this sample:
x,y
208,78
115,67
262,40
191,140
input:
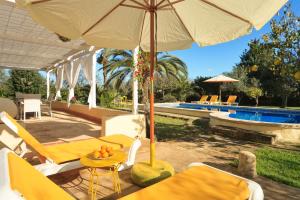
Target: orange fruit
x,y
105,155
96,154
103,151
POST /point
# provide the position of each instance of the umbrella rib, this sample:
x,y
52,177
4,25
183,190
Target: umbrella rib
x,y
102,18
132,6
142,28
180,20
138,3
40,1
169,4
157,5
226,11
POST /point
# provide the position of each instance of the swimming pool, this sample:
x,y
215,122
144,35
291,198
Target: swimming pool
x,y
250,113
281,124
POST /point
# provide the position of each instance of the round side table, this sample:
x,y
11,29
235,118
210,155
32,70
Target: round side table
x,y
111,163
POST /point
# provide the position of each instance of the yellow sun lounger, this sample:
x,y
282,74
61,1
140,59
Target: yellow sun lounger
x,y
231,100
201,181
203,99
19,181
63,157
213,99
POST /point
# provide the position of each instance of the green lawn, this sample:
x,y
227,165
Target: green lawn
x,y
279,165
276,164
168,128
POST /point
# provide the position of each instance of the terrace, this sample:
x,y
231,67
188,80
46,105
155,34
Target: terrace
x,y
207,148
180,138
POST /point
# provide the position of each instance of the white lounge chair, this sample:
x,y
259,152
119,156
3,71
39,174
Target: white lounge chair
x,y
256,192
63,157
19,181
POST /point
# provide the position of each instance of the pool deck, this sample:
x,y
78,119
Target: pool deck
x,y
216,151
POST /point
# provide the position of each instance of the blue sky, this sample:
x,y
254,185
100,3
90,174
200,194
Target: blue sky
x,y
214,60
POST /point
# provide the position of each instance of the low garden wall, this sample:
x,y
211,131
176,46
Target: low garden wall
x,y
112,121
282,132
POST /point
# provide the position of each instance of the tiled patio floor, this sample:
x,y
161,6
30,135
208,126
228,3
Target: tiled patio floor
x,y
217,152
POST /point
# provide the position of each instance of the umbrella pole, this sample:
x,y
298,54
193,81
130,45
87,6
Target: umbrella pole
x,y
220,93
152,63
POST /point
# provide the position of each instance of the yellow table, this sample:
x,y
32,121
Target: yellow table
x,y
111,163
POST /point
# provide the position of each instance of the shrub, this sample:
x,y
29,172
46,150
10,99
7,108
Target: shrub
x,y
169,98
107,97
192,97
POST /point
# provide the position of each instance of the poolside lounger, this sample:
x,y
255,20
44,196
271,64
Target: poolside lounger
x,y
63,157
231,101
19,181
213,99
203,99
201,181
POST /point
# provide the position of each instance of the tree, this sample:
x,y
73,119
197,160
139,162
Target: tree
x,y
274,59
103,60
26,81
254,90
201,87
121,71
3,85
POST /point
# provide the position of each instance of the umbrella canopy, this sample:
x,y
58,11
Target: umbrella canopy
x,y
154,25
221,79
125,24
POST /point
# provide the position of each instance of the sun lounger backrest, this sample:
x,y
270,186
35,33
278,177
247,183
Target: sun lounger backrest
x,y
24,134
24,179
214,98
203,98
231,99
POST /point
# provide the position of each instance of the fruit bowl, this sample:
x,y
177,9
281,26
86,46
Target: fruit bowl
x,y
91,156
105,152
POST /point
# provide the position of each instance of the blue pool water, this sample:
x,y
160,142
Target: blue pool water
x,y
250,113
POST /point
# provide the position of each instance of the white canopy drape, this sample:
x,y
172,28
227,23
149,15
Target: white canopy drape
x,y
72,73
59,81
89,69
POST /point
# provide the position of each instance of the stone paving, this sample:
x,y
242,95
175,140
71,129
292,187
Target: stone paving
x,y
216,151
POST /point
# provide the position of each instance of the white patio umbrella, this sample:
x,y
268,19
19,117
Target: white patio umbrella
x,y
154,25
221,79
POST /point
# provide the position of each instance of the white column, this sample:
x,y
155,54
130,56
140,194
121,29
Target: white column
x,y
48,83
135,82
59,81
94,82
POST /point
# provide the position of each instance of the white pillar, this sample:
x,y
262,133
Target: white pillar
x,y
48,83
135,82
94,84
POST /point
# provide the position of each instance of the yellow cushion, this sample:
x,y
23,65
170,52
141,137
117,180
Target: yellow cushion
x,y
201,182
66,152
31,183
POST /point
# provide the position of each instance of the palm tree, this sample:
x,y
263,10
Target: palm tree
x,y
121,70
103,60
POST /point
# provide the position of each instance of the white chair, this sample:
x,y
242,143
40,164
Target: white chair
x,y
131,155
256,192
31,105
48,104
